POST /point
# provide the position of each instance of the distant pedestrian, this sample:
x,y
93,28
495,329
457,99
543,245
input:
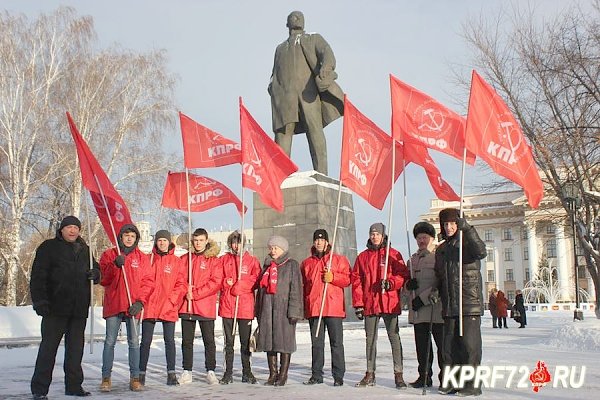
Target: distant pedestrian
x,y
60,292
520,307
502,305
493,307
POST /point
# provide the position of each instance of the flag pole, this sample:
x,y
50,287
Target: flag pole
x,y
387,245
190,243
112,228
337,215
239,272
87,213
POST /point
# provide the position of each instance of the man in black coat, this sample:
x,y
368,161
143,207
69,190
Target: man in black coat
x,y
465,349
60,292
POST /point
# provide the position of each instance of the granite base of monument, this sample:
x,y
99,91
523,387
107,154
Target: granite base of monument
x,y
310,203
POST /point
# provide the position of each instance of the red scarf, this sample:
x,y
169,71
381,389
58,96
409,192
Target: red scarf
x,y
269,278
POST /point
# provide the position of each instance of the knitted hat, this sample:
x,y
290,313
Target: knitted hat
x,y
449,215
424,227
162,234
320,234
377,227
70,220
278,241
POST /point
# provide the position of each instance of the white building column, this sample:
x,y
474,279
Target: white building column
x,y
533,250
563,265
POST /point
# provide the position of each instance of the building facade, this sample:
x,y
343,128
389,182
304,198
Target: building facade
x,y
524,245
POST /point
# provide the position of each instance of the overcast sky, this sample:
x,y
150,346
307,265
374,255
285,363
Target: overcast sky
x,y
222,49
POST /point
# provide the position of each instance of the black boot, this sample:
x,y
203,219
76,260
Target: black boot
x,y
172,379
283,369
227,378
272,361
247,375
143,378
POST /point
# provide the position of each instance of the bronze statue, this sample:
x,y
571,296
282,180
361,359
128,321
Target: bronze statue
x,y
304,94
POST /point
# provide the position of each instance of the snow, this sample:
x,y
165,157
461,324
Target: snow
x,y
551,336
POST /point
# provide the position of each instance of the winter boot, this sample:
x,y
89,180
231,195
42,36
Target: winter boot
x,y
142,378
106,385
247,376
172,379
227,378
399,380
283,369
272,361
135,385
368,380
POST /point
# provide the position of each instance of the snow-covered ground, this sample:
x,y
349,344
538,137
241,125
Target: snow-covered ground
x,y
552,337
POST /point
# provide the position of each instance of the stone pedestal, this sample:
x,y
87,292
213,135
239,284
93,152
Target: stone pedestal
x,y
310,201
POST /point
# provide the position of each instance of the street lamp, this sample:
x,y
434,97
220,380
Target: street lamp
x,y
572,197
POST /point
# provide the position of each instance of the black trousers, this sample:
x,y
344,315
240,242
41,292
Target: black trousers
x,y
147,336
335,331
422,335
53,329
188,331
244,330
465,349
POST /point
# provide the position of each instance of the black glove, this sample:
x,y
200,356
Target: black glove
x,y
135,308
293,320
120,260
461,224
42,309
360,313
434,297
417,303
412,284
387,285
93,274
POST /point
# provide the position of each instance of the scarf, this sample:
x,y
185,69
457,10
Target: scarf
x,y
269,278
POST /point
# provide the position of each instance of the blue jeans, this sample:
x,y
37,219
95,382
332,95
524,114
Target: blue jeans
x,y
147,336
133,341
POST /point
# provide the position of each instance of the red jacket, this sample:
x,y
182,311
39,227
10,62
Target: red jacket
x,y
244,288
366,279
139,278
312,271
503,304
169,288
207,277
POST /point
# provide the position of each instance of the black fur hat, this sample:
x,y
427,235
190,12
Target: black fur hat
x,y
424,227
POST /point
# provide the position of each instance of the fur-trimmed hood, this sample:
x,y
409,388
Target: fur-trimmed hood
x,y
212,249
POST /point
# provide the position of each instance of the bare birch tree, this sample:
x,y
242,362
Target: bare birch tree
x,y
549,73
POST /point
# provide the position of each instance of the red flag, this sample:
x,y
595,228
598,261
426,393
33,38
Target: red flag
x,y
264,164
419,155
203,148
421,119
366,163
205,193
95,180
495,135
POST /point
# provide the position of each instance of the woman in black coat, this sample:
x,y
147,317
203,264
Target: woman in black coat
x,y
520,307
279,305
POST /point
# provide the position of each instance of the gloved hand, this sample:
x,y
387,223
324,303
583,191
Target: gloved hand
x,y
387,285
93,274
417,303
461,224
42,309
360,313
120,260
135,308
434,296
412,284
327,276
293,320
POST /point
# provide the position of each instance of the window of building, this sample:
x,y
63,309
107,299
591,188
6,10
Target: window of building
x,y
508,254
527,275
490,255
491,276
510,296
488,235
525,253
550,229
509,275
524,234
507,234
551,248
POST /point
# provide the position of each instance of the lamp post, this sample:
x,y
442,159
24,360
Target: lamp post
x,y
571,196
